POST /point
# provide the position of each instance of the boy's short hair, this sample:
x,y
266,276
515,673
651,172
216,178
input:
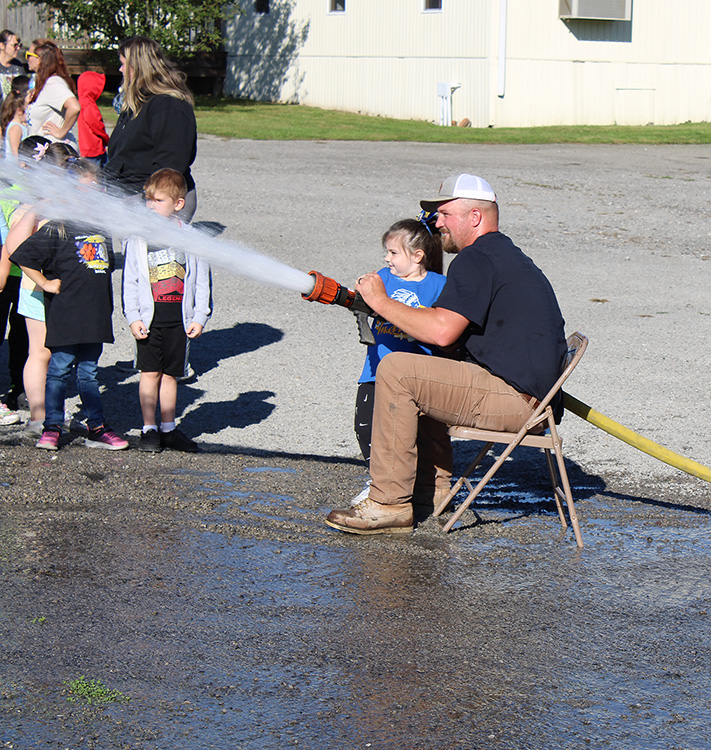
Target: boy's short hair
x,y
20,84
167,181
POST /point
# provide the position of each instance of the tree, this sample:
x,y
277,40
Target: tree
x,y
182,27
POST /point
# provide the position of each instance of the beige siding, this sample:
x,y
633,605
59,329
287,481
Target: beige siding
x,y
656,69
379,57
385,57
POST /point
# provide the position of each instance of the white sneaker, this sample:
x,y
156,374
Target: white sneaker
x,y
189,374
7,416
33,428
358,499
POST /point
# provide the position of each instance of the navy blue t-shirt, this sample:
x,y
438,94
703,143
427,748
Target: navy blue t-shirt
x,y
517,330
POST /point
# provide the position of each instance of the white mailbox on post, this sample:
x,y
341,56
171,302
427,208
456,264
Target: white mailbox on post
x,y
444,94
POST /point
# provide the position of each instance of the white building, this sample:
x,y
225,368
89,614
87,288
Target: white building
x,y
513,62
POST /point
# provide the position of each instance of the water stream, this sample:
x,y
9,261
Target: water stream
x,y
58,196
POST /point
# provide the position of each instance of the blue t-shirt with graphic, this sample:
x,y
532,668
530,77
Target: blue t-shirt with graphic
x,y
389,338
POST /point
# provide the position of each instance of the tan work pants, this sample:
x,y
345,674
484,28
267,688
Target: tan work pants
x,y
450,392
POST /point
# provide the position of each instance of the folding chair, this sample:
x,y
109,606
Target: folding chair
x,y
529,435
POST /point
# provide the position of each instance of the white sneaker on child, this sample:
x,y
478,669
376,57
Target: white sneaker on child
x,y
8,416
33,428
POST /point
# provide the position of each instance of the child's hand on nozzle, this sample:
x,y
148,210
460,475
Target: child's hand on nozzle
x,y
139,330
52,287
194,330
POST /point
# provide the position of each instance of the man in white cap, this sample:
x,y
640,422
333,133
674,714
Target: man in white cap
x,y
500,309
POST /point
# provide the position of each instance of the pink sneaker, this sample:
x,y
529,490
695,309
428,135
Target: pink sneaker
x,y
49,440
105,437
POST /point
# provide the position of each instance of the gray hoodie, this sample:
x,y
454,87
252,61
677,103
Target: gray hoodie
x,y
138,298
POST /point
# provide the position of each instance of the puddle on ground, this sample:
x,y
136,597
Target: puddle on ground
x,y
254,625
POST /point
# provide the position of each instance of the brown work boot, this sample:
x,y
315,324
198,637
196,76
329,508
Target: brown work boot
x,y
369,517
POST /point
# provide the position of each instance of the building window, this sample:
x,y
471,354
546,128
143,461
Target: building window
x,y
338,6
433,5
261,6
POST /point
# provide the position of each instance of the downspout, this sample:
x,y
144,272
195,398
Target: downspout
x,y
503,12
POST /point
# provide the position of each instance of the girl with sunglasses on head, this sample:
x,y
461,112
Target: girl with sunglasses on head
x,y
53,107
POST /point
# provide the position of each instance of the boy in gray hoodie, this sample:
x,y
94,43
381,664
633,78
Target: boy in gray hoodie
x,y
167,300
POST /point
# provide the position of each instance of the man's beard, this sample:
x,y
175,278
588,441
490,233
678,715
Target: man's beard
x,y
448,245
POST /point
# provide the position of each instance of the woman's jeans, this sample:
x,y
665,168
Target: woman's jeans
x,y
86,358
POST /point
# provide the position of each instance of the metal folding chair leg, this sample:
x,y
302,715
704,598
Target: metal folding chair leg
x,y
529,435
554,483
462,480
482,483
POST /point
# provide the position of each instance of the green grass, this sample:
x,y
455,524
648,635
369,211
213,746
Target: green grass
x,y
232,118
92,692
107,111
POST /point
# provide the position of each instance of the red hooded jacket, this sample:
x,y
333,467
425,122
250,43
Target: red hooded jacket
x,y
90,125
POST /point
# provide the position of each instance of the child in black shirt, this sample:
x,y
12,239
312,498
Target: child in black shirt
x,y
72,264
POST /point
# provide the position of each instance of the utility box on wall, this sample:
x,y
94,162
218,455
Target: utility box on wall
x,y
595,10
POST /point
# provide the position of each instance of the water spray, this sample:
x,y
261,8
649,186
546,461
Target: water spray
x,y
56,195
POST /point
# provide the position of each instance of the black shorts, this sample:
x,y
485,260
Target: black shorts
x,y
165,350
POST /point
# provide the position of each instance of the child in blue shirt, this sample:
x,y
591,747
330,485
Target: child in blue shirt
x,y
413,254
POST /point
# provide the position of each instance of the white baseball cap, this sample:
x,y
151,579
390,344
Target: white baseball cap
x,y
461,186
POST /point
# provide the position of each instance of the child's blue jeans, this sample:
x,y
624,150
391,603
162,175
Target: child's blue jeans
x,y
86,357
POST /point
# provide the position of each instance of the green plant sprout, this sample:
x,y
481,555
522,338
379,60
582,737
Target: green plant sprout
x,y
38,620
92,691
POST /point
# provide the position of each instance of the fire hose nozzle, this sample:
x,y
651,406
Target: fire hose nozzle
x,y
330,292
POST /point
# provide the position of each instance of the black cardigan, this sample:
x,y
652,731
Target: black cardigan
x,y
163,134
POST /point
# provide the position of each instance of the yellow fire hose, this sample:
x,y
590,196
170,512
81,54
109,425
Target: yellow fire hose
x,y
635,440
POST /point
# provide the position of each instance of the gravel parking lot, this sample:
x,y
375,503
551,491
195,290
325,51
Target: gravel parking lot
x,y
622,232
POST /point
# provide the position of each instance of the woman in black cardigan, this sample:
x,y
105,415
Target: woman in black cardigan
x,y
156,126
